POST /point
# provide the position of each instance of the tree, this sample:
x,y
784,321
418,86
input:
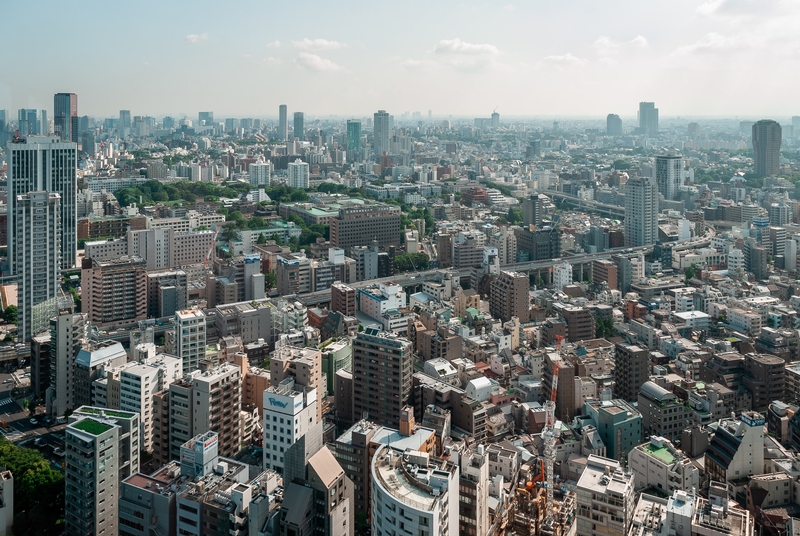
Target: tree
x,y
270,280
256,222
689,272
10,314
262,239
277,239
514,216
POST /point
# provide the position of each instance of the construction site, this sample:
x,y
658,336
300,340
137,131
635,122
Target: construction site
x,y
540,506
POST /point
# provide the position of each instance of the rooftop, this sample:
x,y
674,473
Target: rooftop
x,y
91,426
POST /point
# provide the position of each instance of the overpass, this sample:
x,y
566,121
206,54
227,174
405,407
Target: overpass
x,y
613,211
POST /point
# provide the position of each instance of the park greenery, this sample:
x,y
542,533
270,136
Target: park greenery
x,y
408,262
38,491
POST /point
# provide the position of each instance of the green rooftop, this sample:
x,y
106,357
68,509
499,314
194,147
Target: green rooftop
x,y
109,413
91,426
662,453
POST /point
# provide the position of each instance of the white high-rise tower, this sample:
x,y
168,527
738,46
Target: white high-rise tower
x,y
381,133
641,211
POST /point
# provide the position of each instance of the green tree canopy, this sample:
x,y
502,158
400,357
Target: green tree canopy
x,y
10,314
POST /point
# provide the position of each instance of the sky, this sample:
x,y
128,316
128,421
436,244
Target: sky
x,y
564,58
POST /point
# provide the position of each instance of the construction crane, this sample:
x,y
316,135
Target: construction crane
x,y
211,249
550,432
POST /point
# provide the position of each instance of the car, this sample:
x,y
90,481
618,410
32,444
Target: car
x,y
40,442
34,422
8,380
58,452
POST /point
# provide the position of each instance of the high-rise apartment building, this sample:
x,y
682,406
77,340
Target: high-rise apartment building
x,y
343,299
604,270
361,224
632,369
381,376
66,122
37,255
45,163
299,126
509,296
641,211
298,174
260,173
648,118
353,140
93,470
766,148
190,338
283,123
613,125
206,400
67,331
669,175
380,135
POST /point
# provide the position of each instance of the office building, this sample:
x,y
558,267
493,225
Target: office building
x,y
343,299
359,225
509,296
613,125
562,275
124,119
283,123
766,148
427,494
205,118
663,413
299,127
641,212
617,423
94,439
534,209
660,465
648,118
190,338
298,174
91,361
304,365
604,487
289,411
381,376
353,140
206,400
66,122
669,175
37,256
380,138
737,449
45,163
632,369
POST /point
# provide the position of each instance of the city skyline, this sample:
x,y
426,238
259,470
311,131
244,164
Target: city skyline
x,y
690,59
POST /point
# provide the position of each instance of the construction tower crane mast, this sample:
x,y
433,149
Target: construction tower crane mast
x,y
551,430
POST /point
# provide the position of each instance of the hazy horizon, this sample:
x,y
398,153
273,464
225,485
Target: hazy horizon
x,y
576,60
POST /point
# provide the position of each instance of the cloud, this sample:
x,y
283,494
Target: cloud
x,y
639,41
718,43
564,60
510,7
317,44
457,46
274,44
271,61
195,38
606,46
312,62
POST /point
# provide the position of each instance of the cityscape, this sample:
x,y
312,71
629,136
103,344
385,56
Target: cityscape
x,y
467,312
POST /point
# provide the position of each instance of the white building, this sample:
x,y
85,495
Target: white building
x,y
660,465
6,503
260,173
604,488
298,174
374,301
289,412
413,494
641,212
562,275
696,320
190,338
737,449
66,333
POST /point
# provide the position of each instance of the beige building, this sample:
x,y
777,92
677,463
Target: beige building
x,y
114,291
302,364
510,296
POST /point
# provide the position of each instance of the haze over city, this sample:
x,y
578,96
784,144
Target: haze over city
x,y
733,58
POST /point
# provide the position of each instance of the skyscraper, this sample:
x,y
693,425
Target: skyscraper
x,y
299,126
298,174
353,140
381,135
613,125
283,126
766,148
124,119
65,109
44,163
648,118
208,117
669,175
37,253
641,211
495,120
190,338
381,376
